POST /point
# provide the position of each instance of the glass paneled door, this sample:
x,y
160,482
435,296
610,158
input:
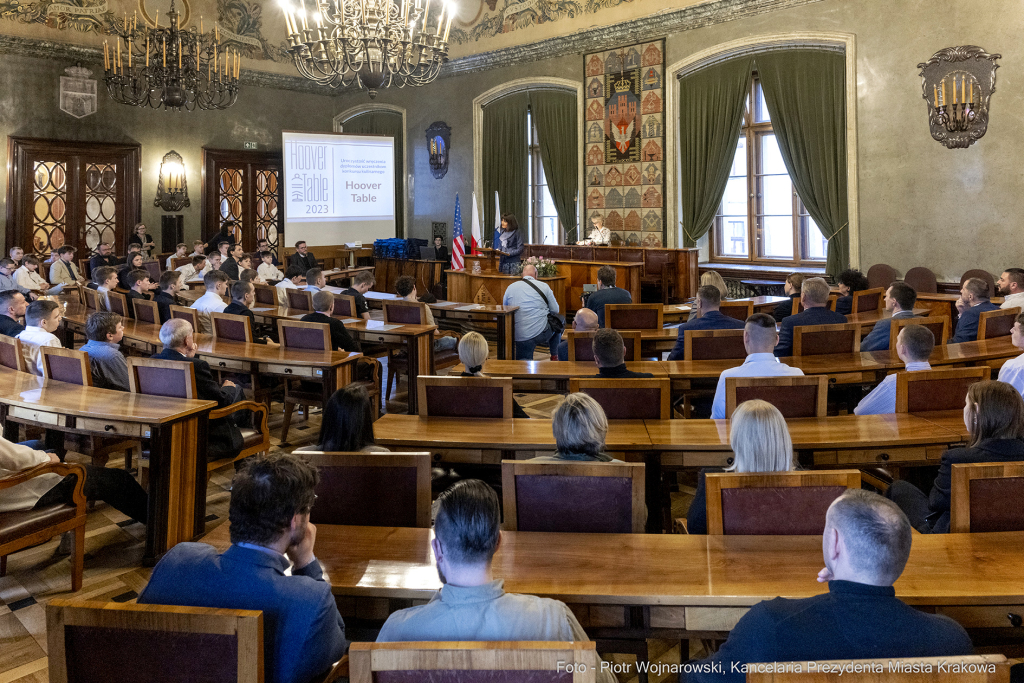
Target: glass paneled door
x,y
243,188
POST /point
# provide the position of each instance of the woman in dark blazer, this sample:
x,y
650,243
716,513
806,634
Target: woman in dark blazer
x,y
994,416
849,281
509,240
142,238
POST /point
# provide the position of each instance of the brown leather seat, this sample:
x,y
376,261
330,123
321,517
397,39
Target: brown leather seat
x,y
24,522
995,504
250,437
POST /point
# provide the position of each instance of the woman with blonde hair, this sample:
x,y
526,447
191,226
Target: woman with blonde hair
x,y
710,277
580,427
473,352
760,442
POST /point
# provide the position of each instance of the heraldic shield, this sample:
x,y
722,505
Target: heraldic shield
x,y
439,136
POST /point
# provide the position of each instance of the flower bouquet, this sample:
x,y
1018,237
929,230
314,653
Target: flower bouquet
x,y
545,267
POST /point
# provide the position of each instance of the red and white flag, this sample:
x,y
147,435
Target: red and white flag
x,y
475,236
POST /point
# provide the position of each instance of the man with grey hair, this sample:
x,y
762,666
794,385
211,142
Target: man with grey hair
x,y
472,605
585,320
866,544
580,427
814,298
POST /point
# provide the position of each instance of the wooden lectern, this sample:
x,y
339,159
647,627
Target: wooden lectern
x,y
487,258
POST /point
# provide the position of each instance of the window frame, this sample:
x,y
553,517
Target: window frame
x,y
535,169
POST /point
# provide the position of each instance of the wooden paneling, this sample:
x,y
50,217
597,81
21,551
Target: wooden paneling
x,y
579,273
489,288
682,262
427,274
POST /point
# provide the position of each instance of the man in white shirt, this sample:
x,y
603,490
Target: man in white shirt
x,y
913,345
535,300
294,278
267,270
42,318
1012,371
1010,286
179,253
28,276
216,282
759,339
191,270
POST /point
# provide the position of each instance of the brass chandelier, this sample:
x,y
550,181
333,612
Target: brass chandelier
x,y
170,67
375,43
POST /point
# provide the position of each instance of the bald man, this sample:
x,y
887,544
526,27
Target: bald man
x,y
584,321
535,301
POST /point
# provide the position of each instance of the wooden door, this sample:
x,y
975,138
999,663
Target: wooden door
x,y
75,193
244,187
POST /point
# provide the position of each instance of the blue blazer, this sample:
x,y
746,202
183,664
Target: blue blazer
x,y
967,325
303,633
712,320
514,249
810,316
878,337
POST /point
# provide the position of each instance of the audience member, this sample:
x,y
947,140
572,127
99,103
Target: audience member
x,y
759,338
263,247
225,234
179,252
710,277
27,276
199,267
133,262
866,545
1010,286
198,248
7,280
166,296
109,366
243,294
585,320
42,318
900,299
850,281
610,356
267,269
323,307
303,633
138,287
708,300
607,293
347,424
914,346
972,303
315,280
405,287
105,278
212,301
580,428
230,264
142,238
303,258
213,262
16,254
293,279
104,257
362,281
760,442
63,271
1011,372
12,310
994,417
535,301
814,298
792,287
473,352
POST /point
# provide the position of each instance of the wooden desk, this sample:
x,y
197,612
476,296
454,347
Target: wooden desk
x,y
175,428
762,304
688,583
553,375
489,288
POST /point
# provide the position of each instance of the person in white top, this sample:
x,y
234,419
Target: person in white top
x,y
1012,371
294,278
759,339
179,253
198,248
1010,286
27,276
267,270
42,318
191,270
914,345
216,282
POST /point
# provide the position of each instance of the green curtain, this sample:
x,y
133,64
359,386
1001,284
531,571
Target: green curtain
x,y
711,103
504,160
382,122
806,95
554,115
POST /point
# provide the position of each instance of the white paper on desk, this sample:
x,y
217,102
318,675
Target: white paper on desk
x,y
471,307
334,290
262,310
380,326
444,304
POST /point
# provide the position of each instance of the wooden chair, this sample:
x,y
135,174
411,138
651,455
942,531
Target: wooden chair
x,y
179,261
231,327
714,345
981,275
118,303
882,275
154,268
628,399
581,345
866,671
796,396
177,379
299,299
922,280
798,304
26,528
295,334
266,295
465,662
146,311
344,306
928,390
868,300
997,323
189,314
167,643
350,489
401,312
573,497
816,340
634,316
774,503
85,268
660,271
93,302
11,355
986,497
740,310
465,396
939,325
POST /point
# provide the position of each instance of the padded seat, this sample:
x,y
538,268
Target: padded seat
x,y
21,523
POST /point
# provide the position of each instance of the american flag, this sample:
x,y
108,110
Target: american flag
x,y
458,246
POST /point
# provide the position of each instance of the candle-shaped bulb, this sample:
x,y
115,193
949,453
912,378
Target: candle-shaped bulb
x,y
440,20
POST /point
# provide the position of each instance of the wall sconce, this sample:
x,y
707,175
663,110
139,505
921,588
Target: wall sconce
x,y
172,188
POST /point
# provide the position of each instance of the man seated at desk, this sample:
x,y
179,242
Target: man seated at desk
x,y
230,264
212,301
972,303
323,306
42,318
585,320
302,258
472,605
914,346
814,297
243,294
607,293
294,278
63,271
166,295
361,284
707,303
610,356
315,280
139,284
900,299
599,234
104,257
7,280
12,310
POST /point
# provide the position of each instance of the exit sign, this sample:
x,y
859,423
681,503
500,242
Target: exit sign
x,y
249,145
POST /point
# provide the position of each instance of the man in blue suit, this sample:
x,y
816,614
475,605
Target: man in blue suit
x,y
972,303
303,633
814,298
708,300
900,299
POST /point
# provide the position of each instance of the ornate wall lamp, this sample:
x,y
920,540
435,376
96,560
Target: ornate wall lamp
x,y
957,83
172,188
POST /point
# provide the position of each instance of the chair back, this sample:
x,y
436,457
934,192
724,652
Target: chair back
x,y
265,295
817,340
774,503
796,396
401,312
350,488
66,365
740,310
881,275
85,268
231,327
153,267
634,316
714,345
157,377
573,497
928,390
118,303
11,355
452,396
997,323
922,280
93,302
168,644
146,311
473,662
977,669
345,306
295,334
581,345
986,497
868,300
939,325
628,399
981,275
189,314
299,299
179,261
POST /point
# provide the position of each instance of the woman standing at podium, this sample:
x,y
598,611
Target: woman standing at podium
x,y
509,241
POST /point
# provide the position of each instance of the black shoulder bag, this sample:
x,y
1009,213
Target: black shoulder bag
x,y
556,321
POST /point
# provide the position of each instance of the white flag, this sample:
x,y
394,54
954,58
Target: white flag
x,y
497,212
476,240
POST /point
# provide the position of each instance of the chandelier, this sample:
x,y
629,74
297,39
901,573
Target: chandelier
x,y
375,43
170,67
